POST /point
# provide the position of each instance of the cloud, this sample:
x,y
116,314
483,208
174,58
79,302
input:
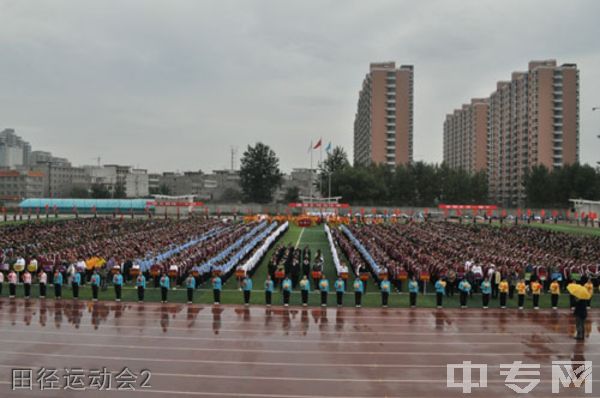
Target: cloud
x,y
172,85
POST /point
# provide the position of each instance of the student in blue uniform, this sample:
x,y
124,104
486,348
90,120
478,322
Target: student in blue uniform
x,y
324,288
486,291
465,289
304,290
118,282
339,291
58,281
75,282
440,290
190,284
286,286
217,285
269,288
358,292
385,291
413,290
247,288
95,282
165,285
140,284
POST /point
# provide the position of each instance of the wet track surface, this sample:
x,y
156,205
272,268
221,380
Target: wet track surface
x,y
234,351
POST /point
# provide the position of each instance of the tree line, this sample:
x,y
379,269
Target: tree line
x,y
415,184
553,188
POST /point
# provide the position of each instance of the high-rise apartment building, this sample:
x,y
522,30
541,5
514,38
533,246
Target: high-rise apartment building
x,y
533,119
465,136
14,151
383,125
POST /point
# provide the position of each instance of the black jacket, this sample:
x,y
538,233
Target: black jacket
x,y
581,309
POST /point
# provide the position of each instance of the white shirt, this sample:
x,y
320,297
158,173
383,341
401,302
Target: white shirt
x,y
468,265
43,278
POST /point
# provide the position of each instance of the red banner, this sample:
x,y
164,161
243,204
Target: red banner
x,y
169,203
320,205
467,207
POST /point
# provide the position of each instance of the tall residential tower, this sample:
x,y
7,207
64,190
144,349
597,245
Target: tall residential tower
x,y
383,126
533,119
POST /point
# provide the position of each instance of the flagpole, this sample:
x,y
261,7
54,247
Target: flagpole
x,y
329,183
320,165
311,173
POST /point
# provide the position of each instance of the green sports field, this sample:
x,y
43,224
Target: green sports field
x,y
568,228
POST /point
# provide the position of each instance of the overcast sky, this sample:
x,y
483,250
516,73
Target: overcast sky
x,y
172,85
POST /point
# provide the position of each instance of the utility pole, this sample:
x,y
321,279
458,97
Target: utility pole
x,y
597,108
233,151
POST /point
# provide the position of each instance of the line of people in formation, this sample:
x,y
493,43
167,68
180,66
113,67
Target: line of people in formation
x,y
95,283
534,288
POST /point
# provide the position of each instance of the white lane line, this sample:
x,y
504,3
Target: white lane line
x,y
299,238
229,363
270,340
285,352
320,332
214,362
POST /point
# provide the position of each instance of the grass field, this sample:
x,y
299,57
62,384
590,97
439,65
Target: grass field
x,y
315,238
569,228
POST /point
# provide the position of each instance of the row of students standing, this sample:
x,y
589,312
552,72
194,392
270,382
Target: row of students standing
x,y
464,287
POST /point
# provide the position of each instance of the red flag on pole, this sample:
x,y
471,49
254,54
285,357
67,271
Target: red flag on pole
x,y
318,144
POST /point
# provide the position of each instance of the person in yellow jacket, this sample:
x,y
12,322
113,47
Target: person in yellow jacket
x,y
590,288
555,292
536,290
521,289
503,289
572,299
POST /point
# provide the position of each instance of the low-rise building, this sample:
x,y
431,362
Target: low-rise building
x,y
17,185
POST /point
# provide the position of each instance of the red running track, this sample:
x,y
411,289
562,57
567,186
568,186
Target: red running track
x,y
233,351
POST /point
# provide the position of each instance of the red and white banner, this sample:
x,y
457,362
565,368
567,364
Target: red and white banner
x,y
169,203
467,207
319,205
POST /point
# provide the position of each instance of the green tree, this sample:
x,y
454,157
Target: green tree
x,y
538,186
259,174
404,186
336,161
292,194
119,191
79,192
428,183
231,195
99,191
